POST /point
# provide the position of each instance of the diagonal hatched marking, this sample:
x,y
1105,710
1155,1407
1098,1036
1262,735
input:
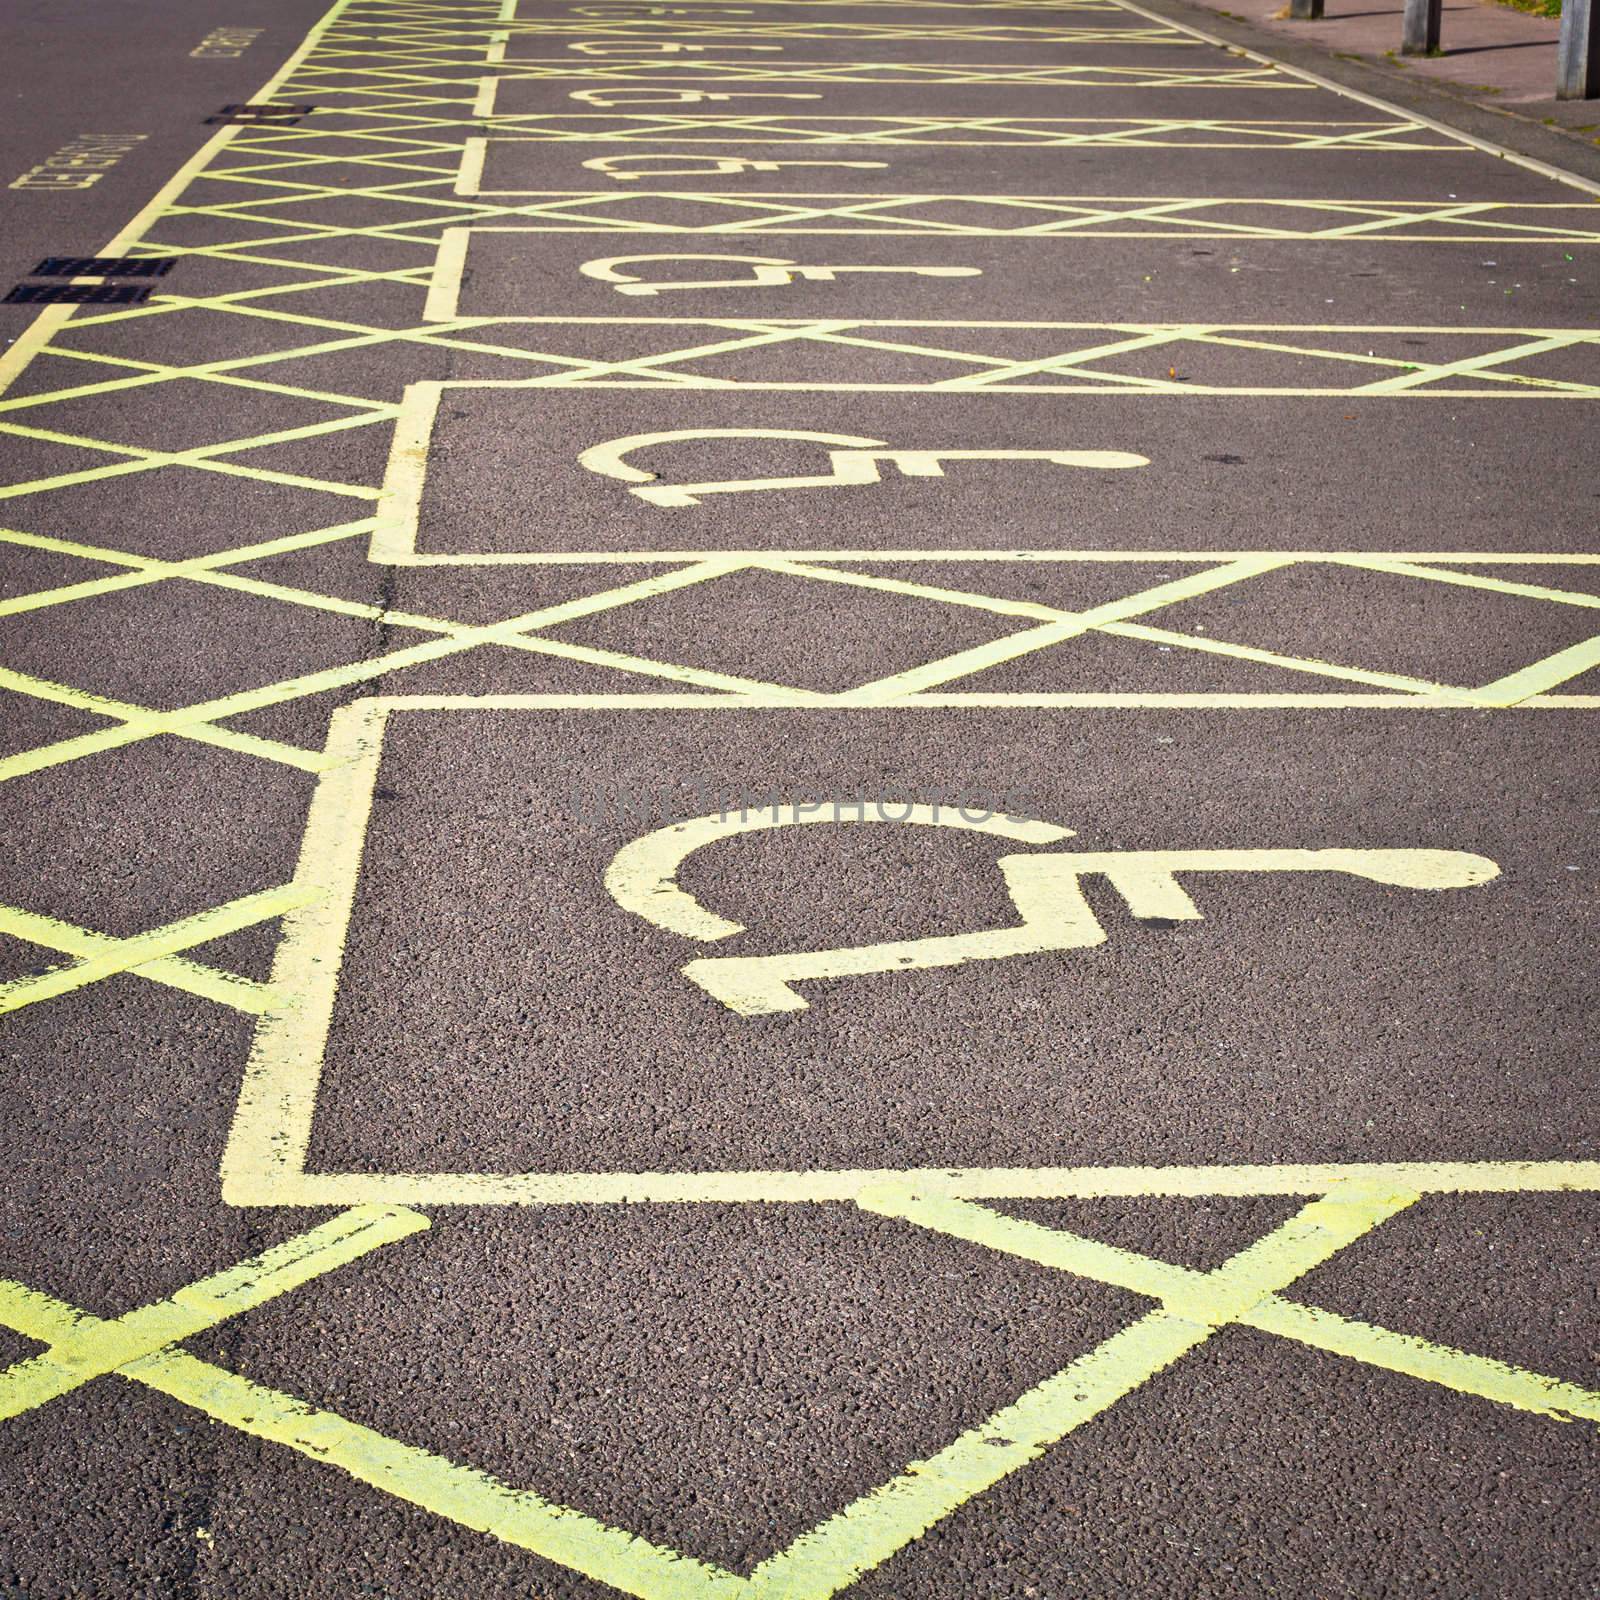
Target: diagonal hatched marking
x,y
83,1347
1192,1307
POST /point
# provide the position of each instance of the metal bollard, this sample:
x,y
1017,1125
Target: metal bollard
x,y
1578,61
1306,10
1420,31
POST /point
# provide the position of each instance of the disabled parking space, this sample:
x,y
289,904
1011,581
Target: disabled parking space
x,y
502,270
1154,44
1142,954
511,166
708,469
800,811
1203,93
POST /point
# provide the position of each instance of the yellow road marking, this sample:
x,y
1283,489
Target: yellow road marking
x,y
82,1347
1192,1306
1046,891
1194,1296
150,955
1068,362
847,32
1037,216
268,177
1066,626
688,69
1162,133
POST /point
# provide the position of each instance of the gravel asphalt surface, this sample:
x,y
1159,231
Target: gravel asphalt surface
x,y
801,802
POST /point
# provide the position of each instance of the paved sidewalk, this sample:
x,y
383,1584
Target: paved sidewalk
x,y
1493,53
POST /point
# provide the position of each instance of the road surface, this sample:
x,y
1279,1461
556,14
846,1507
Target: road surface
x,y
802,802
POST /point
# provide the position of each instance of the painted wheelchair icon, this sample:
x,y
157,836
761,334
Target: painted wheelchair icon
x,y
1045,888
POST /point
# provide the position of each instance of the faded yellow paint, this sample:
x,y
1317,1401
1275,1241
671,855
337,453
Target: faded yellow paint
x,y
247,174
856,464
768,272
1046,890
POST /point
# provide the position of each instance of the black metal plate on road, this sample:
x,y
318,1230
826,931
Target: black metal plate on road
x,y
77,294
104,267
278,116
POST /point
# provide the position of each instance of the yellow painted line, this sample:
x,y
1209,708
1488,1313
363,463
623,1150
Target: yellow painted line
x,y
537,126
724,683
1434,692
83,1348
205,569
1002,373
1480,1376
738,8
1038,216
742,8
394,532
194,722
199,722
1193,1295
879,555
862,1535
1476,365
831,32
1413,568
1208,1300
1001,606
1108,383
203,457
444,288
1516,687
980,657
1143,133
102,956
469,180
267,1184
272,1124
209,983
135,723
869,1532
765,324
1068,74
468,1497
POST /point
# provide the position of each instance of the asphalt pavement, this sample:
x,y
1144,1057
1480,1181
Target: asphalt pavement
x,y
801,803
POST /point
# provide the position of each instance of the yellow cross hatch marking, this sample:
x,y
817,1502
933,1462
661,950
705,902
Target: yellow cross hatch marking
x,y
149,955
1058,132
285,224
1190,1307
83,1347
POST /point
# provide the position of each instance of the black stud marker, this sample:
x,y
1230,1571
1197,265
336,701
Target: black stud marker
x,y
262,116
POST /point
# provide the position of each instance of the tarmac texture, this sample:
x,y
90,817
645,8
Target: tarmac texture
x,y
801,803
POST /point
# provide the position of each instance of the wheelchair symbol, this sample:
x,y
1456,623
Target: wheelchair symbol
x,y
853,462
1046,890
